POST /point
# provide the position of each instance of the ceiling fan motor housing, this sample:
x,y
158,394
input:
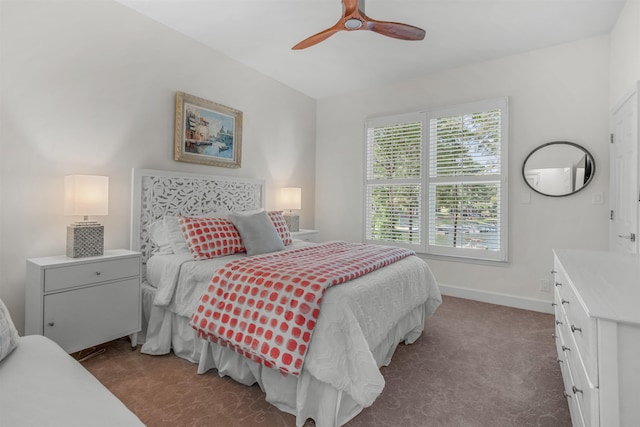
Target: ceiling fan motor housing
x,y
353,24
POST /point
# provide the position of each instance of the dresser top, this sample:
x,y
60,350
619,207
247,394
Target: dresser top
x,y
607,283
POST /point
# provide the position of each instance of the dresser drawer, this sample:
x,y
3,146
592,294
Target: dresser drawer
x,y
582,392
582,396
70,276
579,328
567,378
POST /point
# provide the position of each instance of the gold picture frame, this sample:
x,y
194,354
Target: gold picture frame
x,y
206,132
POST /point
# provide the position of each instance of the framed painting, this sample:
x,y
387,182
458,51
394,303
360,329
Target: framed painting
x,y
206,132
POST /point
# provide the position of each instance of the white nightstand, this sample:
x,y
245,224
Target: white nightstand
x,y
82,302
306,235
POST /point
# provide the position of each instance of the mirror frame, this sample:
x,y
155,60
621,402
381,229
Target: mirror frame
x,y
580,147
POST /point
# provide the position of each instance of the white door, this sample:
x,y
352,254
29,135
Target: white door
x,y
623,230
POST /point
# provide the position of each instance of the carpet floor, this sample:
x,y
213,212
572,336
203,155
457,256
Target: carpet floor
x,y
476,365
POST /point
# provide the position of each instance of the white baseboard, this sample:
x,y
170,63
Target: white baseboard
x,y
524,303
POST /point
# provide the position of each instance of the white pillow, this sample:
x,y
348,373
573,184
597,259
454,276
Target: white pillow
x,y
258,233
8,333
158,234
175,236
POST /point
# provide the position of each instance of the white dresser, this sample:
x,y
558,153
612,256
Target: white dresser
x,y
597,309
82,302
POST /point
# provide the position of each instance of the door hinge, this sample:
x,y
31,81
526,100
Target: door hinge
x,y
611,215
611,138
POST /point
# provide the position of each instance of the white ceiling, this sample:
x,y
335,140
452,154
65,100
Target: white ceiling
x,y
260,34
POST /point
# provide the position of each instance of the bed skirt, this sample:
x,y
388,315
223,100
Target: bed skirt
x,y
165,331
305,396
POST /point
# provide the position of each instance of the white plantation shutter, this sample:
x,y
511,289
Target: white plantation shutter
x,y
436,181
394,189
467,180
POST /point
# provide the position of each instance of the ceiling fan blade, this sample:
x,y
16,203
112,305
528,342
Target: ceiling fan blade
x,y
350,8
395,29
317,38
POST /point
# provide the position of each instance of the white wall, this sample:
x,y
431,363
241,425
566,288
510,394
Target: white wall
x,y
89,88
625,52
558,93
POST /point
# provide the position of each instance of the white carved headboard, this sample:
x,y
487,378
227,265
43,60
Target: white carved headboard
x,y
156,193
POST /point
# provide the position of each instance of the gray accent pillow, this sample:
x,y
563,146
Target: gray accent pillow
x,y
258,233
8,333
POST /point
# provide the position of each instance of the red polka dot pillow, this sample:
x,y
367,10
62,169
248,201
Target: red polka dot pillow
x,y
281,227
210,237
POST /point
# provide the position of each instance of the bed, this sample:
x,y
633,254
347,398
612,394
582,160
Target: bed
x,y
355,333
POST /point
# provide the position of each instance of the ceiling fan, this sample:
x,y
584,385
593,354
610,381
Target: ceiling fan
x,y
353,18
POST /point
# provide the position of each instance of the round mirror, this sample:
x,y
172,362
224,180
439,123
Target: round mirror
x,y
558,168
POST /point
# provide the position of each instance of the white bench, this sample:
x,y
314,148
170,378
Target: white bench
x,y
41,385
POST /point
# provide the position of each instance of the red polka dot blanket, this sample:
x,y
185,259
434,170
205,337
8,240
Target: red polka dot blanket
x,y
265,307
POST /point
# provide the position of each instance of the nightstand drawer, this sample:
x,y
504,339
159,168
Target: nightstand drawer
x,y
87,273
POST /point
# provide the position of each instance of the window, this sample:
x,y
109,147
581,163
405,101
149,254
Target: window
x,y
436,181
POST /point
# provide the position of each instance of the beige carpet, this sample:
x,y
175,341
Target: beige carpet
x,y
476,365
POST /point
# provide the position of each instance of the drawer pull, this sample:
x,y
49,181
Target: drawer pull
x,y
553,304
558,322
553,272
98,273
50,323
558,360
565,348
564,301
558,284
565,393
576,390
554,336
575,328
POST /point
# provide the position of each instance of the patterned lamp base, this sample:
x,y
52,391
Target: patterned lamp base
x,y
293,221
85,239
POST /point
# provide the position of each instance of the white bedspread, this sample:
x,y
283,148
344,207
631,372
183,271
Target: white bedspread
x,y
357,316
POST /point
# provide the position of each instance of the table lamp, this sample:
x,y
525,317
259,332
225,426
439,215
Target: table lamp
x,y
291,198
85,195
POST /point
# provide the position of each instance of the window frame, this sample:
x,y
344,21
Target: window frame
x,y
425,181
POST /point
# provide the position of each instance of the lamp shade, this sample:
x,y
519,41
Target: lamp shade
x,y
290,198
86,195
